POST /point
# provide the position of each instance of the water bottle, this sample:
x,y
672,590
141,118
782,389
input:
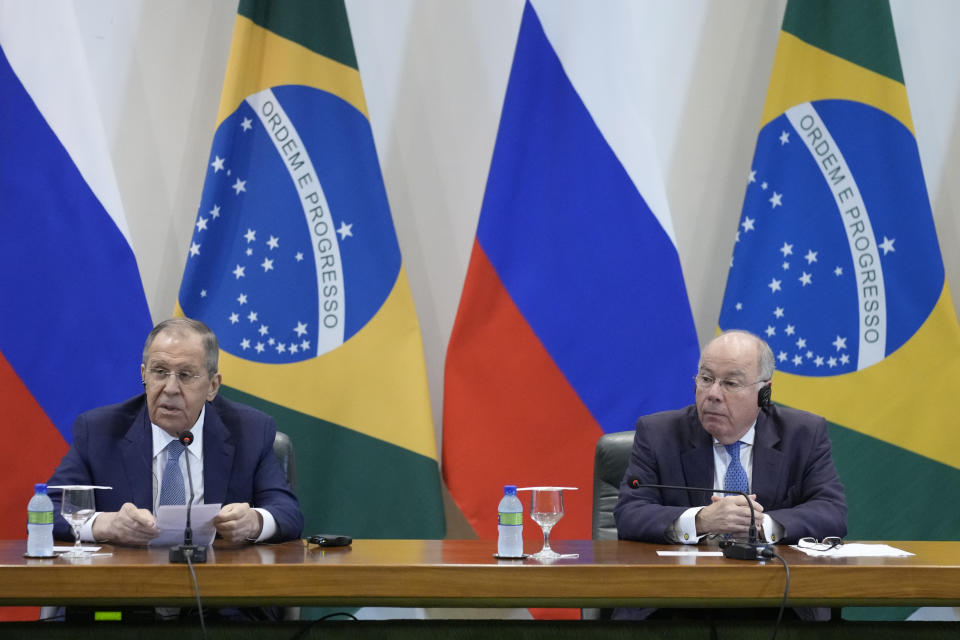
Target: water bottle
x,y
510,524
40,523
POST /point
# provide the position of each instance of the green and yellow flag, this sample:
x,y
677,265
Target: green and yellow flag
x,y
837,265
294,263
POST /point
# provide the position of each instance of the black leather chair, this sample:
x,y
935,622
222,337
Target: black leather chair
x,y
609,465
283,449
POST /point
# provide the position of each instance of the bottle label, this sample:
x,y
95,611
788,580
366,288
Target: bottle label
x,y
509,519
39,517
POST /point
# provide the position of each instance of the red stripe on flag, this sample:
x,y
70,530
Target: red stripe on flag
x,y
33,449
509,414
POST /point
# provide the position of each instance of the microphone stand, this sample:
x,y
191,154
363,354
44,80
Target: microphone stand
x,y
752,549
188,552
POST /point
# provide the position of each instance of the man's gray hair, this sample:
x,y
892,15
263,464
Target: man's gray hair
x,y
765,360
211,349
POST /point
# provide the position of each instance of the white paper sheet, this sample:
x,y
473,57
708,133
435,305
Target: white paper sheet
x,y
172,518
857,550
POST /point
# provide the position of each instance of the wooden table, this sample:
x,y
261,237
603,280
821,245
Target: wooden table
x,y
461,573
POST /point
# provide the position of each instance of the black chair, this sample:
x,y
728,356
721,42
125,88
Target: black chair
x,y
283,449
609,464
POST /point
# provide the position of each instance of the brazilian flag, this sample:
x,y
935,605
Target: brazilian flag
x,y
837,265
294,263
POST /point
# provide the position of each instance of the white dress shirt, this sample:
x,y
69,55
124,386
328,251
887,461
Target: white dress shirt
x,y
684,529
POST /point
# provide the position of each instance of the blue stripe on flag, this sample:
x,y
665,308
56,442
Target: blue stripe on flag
x,y
579,250
75,315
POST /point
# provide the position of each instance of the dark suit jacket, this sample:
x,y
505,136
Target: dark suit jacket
x,y
794,476
113,446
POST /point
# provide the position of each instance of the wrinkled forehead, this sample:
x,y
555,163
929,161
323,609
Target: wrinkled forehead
x,y
177,347
731,356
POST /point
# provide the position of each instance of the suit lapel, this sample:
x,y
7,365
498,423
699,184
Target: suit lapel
x,y
136,454
218,451
697,460
767,461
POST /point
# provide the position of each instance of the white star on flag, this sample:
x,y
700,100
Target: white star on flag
x,y
840,343
747,224
267,264
789,330
805,278
301,329
239,185
811,256
801,343
217,164
264,329
786,249
201,224
778,312
194,249
234,318
344,230
239,272
250,235
887,245
252,316
771,331
273,242
776,200
247,124
784,138
242,298
774,285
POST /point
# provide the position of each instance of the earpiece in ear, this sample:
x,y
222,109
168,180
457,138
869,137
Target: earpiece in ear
x,y
763,396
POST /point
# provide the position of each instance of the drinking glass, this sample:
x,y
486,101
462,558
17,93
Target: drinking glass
x,y
77,507
546,509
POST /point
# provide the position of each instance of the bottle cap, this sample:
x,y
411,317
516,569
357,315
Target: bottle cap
x,y
510,489
40,487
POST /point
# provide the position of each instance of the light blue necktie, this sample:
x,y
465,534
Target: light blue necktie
x,y
736,478
171,488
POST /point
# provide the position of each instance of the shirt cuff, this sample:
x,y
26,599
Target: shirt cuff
x,y
86,531
269,525
684,529
771,530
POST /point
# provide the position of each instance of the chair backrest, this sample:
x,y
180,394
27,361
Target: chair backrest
x,y
283,449
609,465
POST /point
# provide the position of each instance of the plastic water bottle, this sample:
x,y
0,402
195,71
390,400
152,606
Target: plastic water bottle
x,y
510,524
40,523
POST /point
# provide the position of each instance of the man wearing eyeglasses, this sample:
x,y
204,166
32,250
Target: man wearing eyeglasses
x,y
734,436
135,448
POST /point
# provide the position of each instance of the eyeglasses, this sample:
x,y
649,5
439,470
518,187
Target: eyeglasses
x,y
830,542
159,376
705,382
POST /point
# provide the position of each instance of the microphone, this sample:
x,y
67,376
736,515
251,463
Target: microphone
x,y
188,551
752,549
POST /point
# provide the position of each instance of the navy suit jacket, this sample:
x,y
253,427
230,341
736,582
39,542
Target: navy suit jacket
x,y
794,477
113,446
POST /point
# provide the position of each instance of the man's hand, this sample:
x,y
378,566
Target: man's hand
x,y
238,522
729,514
130,526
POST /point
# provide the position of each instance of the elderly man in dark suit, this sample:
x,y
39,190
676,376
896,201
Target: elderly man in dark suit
x,y
732,438
781,456
134,447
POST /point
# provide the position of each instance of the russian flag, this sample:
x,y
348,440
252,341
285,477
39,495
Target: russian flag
x,y
75,315
574,318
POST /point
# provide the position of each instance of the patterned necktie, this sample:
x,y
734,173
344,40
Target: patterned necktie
x,y
736,478
171,490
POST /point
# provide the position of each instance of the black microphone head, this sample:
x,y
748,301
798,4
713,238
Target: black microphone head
x,y
186,438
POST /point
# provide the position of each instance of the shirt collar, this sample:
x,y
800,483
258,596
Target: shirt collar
x,y
746,438
161,438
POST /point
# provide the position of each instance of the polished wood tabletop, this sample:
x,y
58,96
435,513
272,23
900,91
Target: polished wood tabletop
x,y
459,573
